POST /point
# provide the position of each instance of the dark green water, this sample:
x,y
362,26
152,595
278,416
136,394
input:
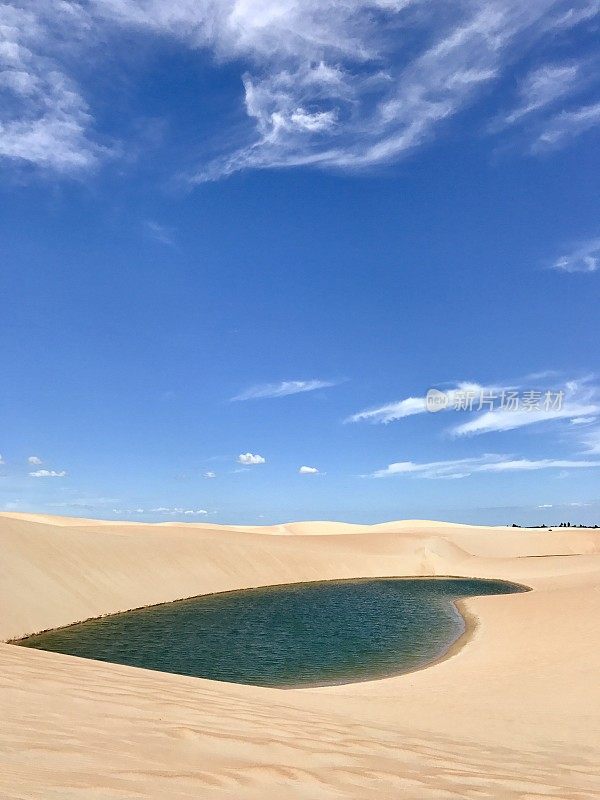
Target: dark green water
x,y
295,635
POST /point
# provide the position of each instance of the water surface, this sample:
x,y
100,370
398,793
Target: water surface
x,y
295,635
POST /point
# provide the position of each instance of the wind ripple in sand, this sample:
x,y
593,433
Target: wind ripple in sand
x,y
102,737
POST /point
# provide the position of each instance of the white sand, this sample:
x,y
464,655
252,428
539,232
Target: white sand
x,y
513,713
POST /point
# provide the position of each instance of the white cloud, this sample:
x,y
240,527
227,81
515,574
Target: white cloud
x,y
281,389
44,120
565,505
591,441
332,83
35,460
369,103
543,87
435,469
209,475
308,471
524,464
1,459
463,468
250,458
390,412
579,399
48,473
501,420
566,126
576,400
577,14
177,511
583,258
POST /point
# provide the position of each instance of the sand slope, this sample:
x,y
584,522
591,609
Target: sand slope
x,y
515,713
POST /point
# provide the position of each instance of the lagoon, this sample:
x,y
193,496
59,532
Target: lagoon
x,y
305,634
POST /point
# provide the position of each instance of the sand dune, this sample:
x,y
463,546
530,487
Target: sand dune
x,y
513,713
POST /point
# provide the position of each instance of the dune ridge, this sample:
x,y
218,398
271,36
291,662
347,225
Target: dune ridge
x,y
514,713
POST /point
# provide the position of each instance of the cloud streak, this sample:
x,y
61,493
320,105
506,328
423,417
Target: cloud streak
x,y
48,473
585,257
176,511
282,389
579,400
567,125
159,233
543,87
391,412
490,408
463,468
591,441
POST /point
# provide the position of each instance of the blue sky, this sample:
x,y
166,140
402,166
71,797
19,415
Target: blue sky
x,y
242,238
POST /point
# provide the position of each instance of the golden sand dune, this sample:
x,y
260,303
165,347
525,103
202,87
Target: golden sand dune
x,y
513,713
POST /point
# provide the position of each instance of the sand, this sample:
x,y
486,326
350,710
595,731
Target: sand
x,y
513,712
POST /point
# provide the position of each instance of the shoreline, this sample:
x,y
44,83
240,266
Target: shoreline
x,y
357,579
469,624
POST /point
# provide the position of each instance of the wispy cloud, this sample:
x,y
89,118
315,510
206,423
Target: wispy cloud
x,y
463,468
566,125
577,14
331,84
44,120
565,505
249,459
591,441
399,409
579,400
177,511
48,473
543,87
489,411
282,389
344,94
584,257
34,460
85,503
160,233
453,468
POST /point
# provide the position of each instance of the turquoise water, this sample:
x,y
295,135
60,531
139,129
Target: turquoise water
x,y
295,635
